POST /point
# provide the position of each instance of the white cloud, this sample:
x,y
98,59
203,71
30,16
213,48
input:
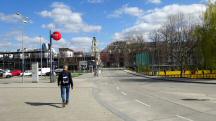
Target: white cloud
x,y
30,40
159,16
155,18
142,29
62,43
13,41
5,45
95,1
154,1
80,43
75,43
11,18
126,10
67,20
49,26
9,39
86,41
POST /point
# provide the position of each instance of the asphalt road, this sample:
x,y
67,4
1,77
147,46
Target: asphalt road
x,y
136,98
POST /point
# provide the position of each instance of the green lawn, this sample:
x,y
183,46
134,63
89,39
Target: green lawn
x,y
76,74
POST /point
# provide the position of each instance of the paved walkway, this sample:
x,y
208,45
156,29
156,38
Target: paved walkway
x,y
41,102
201,81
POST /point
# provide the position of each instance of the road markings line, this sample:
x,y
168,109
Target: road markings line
x,y
117,88
124,93
184,118
143,103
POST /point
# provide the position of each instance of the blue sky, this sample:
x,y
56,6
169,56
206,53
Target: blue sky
x,y
80,20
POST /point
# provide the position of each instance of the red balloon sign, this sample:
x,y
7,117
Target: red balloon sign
x,y
56,36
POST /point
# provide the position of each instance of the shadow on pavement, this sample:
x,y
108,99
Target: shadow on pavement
x,y
44,104
166,81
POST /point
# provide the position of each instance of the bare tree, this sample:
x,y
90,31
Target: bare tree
x,y
177,33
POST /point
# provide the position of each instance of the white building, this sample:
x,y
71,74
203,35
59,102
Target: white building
x,y
66,52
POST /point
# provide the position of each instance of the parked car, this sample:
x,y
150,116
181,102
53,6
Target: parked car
x,y
1,74
55,72
58,70
48,73
7,70
27,73
5,74
43,71
16,72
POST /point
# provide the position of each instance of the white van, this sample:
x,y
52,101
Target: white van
x,y
43,71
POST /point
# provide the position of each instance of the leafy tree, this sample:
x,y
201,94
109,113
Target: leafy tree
x,y
206,34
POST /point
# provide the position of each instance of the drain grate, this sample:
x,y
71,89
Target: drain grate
x,y
195,99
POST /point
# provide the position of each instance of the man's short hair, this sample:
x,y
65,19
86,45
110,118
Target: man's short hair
x,y
65,67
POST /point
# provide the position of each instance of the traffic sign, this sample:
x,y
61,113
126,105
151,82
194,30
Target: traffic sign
x,y
56,36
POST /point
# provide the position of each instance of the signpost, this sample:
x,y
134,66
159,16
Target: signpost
x,y
56,36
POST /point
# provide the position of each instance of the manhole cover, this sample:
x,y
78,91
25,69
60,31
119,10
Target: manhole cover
x,y
194,99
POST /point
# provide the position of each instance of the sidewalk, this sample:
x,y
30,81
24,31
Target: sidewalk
x,y
41,102
186,80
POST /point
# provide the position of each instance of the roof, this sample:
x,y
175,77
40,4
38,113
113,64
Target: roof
x,y
65,49
78,52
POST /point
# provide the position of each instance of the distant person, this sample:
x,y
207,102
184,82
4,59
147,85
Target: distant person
x,y
165,72
65,81
96,72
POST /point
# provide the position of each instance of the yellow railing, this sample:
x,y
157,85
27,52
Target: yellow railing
x,y
194,76
199,74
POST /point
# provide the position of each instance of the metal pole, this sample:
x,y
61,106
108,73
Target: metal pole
x,y
84,53
41,55
158,53
51,69
119,58
58,60
3,62
47,60
84,57
22,59
25,20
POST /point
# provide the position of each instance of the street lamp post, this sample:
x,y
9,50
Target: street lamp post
x,y
3,62
56,36
84,58
119,51
41,56
51,59
84,54
23,61
25,20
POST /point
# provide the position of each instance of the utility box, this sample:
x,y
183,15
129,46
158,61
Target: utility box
x,y
35,77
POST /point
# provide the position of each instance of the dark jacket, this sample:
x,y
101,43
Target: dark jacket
x,y
60,79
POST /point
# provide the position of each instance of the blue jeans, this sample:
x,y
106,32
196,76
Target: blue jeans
x,y
65,93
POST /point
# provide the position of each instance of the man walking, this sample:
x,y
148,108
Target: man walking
x,y
65,81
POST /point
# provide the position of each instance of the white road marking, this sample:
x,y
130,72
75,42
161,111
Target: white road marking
x,y
143,103
117,88
124,93
184,118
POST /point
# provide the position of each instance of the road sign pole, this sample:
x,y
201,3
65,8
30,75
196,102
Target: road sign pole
x,y
56,36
